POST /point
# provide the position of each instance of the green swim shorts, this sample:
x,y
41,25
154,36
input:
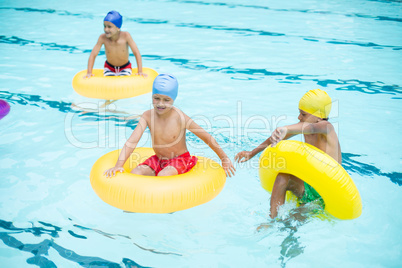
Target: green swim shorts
x,y
310,195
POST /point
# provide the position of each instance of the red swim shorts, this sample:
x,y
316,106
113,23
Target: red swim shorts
x,y
183,163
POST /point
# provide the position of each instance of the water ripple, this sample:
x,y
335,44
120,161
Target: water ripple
x,y
310,11
367,87
349,161
14,40
50,11
66,107
350,164
40,250
243,31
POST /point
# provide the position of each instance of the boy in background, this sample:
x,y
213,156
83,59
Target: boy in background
x,y
116,44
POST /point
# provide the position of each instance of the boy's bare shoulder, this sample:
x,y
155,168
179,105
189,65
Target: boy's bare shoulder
x,y
147,114
324,127
180,113
102,37
327,124
125,35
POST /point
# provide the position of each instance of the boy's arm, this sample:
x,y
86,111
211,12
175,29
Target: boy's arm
x,y
92,56
128,147
322,127
136,53
280,133
212,143
284,133
247,155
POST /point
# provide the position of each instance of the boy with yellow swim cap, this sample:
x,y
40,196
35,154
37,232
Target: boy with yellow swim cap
x,y
314,108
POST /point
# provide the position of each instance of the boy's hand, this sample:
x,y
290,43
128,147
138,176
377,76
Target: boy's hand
x,y
243,156
141,74
278,135
88,75
112,171
228,167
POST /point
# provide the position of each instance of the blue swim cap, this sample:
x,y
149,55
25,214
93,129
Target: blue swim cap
x,y
166,84
115,18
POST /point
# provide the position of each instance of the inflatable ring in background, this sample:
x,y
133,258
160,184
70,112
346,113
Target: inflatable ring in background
x,y
153,194
318,169
113,87
4,108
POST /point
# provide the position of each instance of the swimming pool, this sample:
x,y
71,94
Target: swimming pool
x,y
242,67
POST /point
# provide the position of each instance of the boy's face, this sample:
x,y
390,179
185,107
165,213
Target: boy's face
x,y
307,117
162,103
110,29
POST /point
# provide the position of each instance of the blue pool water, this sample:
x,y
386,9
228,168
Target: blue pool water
x,y
242,68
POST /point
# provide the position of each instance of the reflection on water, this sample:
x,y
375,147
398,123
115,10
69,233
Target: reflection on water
x,y
352,165
41,250
287,223
117,117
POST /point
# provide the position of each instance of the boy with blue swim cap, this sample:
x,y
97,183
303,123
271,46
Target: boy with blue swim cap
x,y
168,126
314,109
115,18
116,44
165,84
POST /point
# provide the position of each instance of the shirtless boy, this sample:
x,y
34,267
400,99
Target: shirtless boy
x,y
314,108
168,126
116,48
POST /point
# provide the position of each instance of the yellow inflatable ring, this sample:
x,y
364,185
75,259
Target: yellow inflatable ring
x,y
152,194
113,87
318,169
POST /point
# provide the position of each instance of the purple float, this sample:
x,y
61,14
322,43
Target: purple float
x,y
4,108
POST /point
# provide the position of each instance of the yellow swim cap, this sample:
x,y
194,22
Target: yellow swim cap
x,y
316,102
